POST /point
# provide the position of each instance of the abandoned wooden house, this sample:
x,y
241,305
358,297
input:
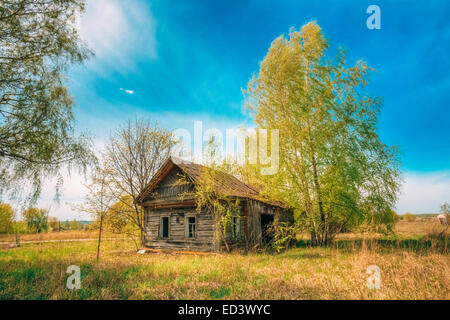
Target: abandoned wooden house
x,y
172,220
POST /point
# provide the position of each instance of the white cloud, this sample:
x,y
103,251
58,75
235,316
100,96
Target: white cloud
x,y
424,192
127,91
118,31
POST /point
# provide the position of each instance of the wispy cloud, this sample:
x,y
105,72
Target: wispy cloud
x,y
127,91
118,31
424,192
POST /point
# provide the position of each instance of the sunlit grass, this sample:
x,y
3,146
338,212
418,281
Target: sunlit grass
x,y
38,271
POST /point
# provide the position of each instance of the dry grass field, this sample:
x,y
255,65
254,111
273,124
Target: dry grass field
x,y
63,235
413,266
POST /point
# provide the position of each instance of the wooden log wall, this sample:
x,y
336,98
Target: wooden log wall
x,y
172,186
254,210
177,239
170,199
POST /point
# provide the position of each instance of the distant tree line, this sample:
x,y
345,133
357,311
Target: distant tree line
x,y
36,220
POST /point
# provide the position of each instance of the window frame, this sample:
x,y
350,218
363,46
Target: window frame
x,y
161,226
187,224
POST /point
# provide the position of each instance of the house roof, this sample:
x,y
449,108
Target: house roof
x,y
224,183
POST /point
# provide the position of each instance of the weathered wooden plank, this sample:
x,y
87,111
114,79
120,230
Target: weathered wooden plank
x,y
170,200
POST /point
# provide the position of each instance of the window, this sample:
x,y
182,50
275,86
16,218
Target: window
x,y
164,227
191,227
236,227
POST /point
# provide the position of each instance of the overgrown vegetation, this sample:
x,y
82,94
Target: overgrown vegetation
x,y
333,168
6,218
131,158
36,219
409,217
38,42
38,271
211,196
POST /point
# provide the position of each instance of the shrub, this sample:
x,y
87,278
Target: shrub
x,y
37,220
6,218
283,235
409,217
439,236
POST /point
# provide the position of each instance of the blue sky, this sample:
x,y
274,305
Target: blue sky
x,y
177,61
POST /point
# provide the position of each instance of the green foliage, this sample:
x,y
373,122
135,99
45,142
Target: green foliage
x,y
6,218
37,220
73,225
118,218
383,222
284,235
38,41
20,227
56,225
211,196
333,167
66,225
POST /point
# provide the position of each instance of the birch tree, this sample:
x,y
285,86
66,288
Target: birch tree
x,y
132,157
334,169
98,203
38,42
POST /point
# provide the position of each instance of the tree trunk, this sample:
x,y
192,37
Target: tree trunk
x,y
142,237
99,238
17,239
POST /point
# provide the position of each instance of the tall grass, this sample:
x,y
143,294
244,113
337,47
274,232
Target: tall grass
x,y
38,271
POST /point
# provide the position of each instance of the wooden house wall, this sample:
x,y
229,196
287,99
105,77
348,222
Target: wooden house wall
x,y
169,200
177,240
239,238
172,186
158,204
254,210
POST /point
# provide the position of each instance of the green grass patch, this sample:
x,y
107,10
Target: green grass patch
x,y
38,271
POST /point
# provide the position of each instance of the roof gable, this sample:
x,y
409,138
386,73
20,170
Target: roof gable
x,y
224,183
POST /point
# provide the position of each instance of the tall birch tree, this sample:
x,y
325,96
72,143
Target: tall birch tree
x,y
334,169
132,157
38,42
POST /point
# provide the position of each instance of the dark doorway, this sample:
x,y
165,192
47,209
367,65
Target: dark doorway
x,y
165,227
266,221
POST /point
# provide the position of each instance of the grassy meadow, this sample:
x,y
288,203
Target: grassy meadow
x,y
63,235
412,267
